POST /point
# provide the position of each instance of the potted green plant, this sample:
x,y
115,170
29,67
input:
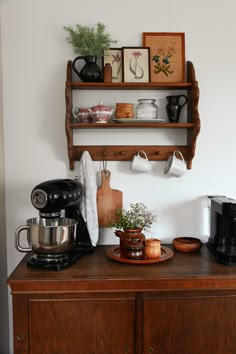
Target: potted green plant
x,y
90,43
130,223
138,217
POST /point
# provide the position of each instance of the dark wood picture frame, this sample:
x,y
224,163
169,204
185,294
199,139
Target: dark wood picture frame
x,y
167,55
136,64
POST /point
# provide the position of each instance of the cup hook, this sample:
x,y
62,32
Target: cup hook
x,y
104,162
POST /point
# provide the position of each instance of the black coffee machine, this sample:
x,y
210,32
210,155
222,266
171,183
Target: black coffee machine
x,y
53,199
222,241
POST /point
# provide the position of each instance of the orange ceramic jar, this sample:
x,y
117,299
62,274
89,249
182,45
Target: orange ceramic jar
x,y
152,248
124,110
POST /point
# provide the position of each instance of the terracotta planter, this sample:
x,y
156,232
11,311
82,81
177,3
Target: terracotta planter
x,y
125,238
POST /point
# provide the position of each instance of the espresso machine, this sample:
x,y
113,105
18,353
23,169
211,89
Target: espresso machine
x,y
59,236
222,240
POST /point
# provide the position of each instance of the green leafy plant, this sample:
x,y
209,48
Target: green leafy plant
x,y
88,40
137,217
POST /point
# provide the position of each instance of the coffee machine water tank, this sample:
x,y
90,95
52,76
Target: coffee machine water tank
x,y
222,241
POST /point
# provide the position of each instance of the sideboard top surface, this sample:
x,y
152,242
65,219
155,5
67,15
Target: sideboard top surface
x,y
97,272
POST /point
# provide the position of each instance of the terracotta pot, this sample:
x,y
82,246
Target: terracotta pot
x,y
125,238
134,248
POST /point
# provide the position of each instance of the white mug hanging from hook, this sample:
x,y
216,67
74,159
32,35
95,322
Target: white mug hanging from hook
x,y
174,166
140,162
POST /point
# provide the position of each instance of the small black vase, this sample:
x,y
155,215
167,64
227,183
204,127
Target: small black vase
x,y
90,72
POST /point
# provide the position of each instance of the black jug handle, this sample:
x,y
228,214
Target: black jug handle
x,y
73,64
183,104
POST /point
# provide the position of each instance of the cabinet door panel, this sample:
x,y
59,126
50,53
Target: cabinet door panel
x,y
82,326
184,325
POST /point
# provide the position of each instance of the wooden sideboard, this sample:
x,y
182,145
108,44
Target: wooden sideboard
x,y
185,305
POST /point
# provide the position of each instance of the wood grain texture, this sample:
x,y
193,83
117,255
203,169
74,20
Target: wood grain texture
x,y
100,306
82,325
108,200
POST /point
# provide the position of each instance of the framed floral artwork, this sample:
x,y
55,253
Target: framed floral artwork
x,y
113,56
136,61
167,56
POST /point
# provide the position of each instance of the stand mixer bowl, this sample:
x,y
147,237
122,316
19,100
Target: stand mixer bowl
x,y
47,236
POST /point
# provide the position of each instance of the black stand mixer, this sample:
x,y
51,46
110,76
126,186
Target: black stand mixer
x,y
60,235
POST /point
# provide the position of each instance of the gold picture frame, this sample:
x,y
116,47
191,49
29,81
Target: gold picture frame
x,y
167,55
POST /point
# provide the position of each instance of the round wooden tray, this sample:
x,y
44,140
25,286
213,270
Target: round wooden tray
x,y
114,253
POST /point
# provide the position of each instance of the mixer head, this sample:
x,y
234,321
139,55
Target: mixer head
x,y
53,196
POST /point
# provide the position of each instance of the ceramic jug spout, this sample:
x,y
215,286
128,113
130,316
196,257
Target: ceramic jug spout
x,y
119,233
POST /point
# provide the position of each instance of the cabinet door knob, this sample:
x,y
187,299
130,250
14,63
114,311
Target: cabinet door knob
x,y
150,350
20,337
127,350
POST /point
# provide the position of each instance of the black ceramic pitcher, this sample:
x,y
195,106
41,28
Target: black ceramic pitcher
x,y
174,107
90,72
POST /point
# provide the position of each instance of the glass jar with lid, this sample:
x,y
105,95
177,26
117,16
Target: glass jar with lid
x,y
146,109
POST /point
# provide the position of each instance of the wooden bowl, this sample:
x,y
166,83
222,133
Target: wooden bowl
x,y
186,244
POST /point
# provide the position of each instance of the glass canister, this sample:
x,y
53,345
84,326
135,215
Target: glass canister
x,y
146,109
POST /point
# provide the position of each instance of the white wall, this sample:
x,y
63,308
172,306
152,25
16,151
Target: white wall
x,y
4,321
34,56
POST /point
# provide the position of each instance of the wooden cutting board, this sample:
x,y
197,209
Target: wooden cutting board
x,y
108,200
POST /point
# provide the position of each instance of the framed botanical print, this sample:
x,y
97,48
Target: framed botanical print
x,y
167,56
136,63
113,56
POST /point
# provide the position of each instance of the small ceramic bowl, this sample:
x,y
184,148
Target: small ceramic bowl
x,y
186,244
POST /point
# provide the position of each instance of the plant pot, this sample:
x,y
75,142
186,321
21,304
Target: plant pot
x,y
126,237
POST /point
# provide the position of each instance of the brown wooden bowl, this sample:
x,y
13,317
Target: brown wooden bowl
x,y
186,244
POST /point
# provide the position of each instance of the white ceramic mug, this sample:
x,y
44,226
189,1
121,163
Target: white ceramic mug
x,y
174,166
139,163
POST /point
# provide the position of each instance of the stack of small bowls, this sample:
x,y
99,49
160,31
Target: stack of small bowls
x,y
124,110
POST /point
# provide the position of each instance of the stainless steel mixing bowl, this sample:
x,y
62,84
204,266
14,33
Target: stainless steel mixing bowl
x,y
47,236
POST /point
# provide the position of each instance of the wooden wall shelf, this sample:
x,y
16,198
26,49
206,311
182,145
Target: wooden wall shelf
x,y
132,125
125,153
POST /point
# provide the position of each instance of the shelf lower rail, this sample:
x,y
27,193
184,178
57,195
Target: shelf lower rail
x,y
132,125
126,153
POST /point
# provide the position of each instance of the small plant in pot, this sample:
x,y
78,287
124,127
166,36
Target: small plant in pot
x,y
90,43
130,223
138,217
